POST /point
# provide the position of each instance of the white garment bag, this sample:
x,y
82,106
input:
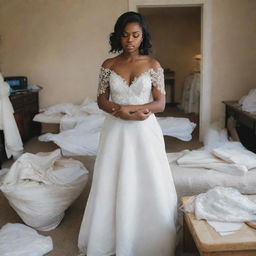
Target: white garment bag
x,y
13,143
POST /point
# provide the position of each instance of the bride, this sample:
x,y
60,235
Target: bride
x,y
131,209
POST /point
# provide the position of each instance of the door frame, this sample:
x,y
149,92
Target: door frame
x,y
206,63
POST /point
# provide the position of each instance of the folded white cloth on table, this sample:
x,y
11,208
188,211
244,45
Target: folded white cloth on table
x,y
19,240
13,143
40,187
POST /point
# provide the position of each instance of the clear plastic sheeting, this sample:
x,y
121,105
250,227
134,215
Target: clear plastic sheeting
x,y
215,136
13,143
40,187
223,204
19,240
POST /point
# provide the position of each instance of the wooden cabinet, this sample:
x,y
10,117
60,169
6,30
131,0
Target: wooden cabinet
x,y
26,106
245,124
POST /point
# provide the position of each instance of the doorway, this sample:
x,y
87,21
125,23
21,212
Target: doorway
x,y
205,85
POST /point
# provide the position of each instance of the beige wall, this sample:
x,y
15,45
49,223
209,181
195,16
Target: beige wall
x,y
233,51
176,40
58,44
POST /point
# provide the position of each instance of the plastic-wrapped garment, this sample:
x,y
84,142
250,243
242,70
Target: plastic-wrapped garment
x,y
41,187
191,94
13,143
223,204
248,102
20,240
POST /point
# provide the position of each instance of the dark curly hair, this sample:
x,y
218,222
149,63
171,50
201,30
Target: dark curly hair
x,y
115,37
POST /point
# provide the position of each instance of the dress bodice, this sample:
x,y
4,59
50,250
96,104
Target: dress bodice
x,y
138,92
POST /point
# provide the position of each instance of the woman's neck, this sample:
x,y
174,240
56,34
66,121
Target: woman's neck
x,y
130,56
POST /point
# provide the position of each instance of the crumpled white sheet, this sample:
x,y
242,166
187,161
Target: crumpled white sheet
x,y
40,187
219,154
80,128
19,240
248,102
180,128
83,139
13,143
206,159
224,204
236,153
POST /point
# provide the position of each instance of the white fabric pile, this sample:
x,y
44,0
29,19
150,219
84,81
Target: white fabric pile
x,y
248,102
219,154
222,204
13,143
80,127
40,187
231,158
20,240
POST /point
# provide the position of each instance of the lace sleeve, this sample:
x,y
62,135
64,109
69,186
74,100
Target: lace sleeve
x,y
103,80
157,78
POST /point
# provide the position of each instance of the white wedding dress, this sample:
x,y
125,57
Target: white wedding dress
x,y
132,206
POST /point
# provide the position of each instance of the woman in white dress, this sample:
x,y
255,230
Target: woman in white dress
x,y
132,206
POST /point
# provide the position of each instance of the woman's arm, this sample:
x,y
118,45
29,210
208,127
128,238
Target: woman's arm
x,y
105,104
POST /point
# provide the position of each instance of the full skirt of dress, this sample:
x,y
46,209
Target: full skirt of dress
x,y
132,206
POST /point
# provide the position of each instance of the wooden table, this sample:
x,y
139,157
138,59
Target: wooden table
x,y
211,243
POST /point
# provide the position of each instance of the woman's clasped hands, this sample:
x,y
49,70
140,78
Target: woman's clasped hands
x,y
129,113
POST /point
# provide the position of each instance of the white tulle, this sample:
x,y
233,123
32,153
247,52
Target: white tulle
x,y
132,205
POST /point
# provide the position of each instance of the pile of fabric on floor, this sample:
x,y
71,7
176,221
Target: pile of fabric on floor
x,y
224,208
39,187
248,102
13,143
80,127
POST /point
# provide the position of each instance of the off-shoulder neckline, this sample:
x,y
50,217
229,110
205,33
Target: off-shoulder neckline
x,y
159,69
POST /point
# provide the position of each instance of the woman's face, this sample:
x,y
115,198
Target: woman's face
x,y
132,37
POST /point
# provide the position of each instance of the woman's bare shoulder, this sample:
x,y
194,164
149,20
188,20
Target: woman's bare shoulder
x,y
109,63
154,63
